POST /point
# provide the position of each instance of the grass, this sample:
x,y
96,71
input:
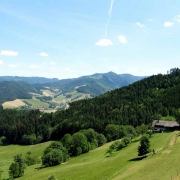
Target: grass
x,y
36,103
95,165
59,98
47,92
8,152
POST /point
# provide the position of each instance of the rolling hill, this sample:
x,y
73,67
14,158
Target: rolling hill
x,y
123,165
11,90
52,94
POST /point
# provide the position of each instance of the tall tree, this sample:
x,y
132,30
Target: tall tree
x,y
144,146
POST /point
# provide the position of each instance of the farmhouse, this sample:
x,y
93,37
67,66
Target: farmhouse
x,y
161,126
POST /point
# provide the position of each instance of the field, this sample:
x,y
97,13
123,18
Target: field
x,y
13,104
58,101
36,103
95,165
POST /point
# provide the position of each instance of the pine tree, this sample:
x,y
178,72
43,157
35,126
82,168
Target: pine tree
x,y
144,146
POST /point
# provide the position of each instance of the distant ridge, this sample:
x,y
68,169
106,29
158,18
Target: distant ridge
x,y
30,80
61,92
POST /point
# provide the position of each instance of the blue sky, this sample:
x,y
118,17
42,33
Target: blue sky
x,y
67,39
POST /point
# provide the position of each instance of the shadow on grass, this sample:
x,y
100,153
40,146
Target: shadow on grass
x,y
41,167
136,140
138,158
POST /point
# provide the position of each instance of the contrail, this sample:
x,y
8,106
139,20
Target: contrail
x,y
111,7
109,14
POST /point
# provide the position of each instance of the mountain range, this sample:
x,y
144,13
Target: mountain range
x,y
60,92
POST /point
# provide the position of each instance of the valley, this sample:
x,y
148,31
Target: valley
x,y
50,95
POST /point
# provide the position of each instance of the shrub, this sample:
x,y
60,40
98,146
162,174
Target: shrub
x,y
17,168
55,154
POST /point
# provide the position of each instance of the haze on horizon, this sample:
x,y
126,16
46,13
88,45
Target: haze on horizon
x,y
69,39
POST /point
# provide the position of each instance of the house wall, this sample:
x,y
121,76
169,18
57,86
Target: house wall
x,y
159,129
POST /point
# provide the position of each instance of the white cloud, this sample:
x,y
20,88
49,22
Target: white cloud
x,y
122,39
104,42
177,18
140,25
1,62
168,24
8,53
43,54
14,65
34,67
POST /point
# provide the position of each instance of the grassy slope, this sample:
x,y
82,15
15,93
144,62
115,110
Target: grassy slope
x,y
95,165
8,152
36,103
153,167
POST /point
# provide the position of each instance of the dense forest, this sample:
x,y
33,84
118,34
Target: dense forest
x,y
11,90
139,103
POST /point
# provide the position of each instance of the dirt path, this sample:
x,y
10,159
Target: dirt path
x,y
171,143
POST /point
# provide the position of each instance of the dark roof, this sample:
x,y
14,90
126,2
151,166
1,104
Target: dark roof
x,y
164,123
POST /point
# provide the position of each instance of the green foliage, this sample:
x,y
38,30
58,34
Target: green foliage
x,y
168,118
144,146
112,132
54,154
67,141
118,145
31,139
30,159
17,168
14,170
80,144
143,129
91,138
82,141
126,140
2,140
52,158
101,139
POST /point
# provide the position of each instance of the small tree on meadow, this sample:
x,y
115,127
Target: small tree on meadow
x,y
144,146
54,154
17,168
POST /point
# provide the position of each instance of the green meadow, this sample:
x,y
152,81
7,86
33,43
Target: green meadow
x,y
96,165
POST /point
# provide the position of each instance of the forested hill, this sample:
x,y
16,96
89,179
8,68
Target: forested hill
x,y
10,90
17,87
141,102
95,84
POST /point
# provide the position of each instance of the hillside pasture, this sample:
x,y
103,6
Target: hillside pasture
x,y
13,104
47,92
36,103
96,164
